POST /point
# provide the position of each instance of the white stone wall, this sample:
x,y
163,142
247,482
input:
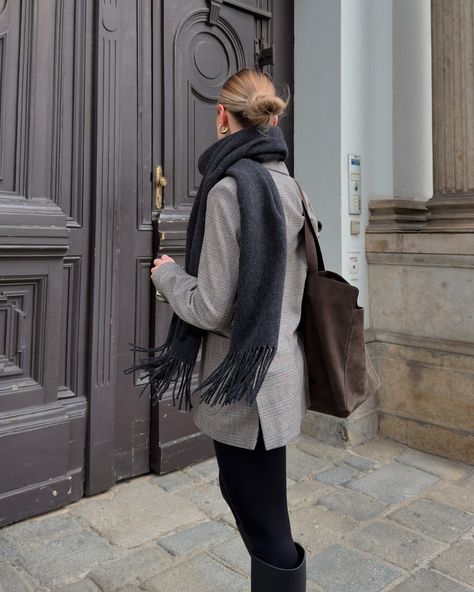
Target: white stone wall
x,y
343,104
317,98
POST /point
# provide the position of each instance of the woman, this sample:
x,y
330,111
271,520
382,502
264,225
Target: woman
x,y
239,296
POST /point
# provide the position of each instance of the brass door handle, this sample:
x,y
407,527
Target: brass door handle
x,y
160,182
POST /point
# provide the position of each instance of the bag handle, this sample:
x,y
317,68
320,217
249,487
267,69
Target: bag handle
x,y
313,250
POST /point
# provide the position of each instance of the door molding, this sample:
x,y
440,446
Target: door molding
x,y
103,318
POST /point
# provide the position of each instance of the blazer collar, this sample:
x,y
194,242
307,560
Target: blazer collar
x,y
277,165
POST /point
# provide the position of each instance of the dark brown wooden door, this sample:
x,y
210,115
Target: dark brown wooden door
x,y
198,49
93,95
159,66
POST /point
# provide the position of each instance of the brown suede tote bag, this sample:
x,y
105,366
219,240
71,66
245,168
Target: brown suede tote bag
x,y
340,373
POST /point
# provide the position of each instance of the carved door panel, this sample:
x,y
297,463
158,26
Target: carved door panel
x,y
45,148
202,44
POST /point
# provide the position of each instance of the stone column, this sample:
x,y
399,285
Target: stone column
x,y
411,122
451,208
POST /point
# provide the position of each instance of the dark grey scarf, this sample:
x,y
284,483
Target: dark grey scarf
x,y
262,265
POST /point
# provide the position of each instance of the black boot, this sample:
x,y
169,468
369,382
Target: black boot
x,y
270,578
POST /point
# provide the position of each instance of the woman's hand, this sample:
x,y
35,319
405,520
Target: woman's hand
x,y
161,261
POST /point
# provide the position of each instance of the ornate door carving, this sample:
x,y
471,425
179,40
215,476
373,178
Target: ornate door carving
x,y
45,147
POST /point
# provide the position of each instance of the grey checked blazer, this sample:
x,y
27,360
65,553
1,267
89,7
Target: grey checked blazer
x,y
207,302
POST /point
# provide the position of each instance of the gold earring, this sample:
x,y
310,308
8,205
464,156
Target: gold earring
x,y
223,129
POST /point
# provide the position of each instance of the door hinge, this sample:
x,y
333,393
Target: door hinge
x,y
264,54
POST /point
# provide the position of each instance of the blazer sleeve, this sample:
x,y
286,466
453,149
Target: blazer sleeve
x,y
207,301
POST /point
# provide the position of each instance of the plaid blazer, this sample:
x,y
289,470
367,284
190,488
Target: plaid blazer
x,y
207,302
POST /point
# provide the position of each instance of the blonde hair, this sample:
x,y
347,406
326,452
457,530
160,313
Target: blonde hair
x,y
251,97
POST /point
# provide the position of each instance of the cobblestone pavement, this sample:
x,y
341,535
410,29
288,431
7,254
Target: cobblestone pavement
x,y
376,517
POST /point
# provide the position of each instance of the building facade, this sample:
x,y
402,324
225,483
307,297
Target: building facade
x,y
392,81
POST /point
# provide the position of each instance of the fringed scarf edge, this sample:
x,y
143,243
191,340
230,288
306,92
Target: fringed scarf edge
x,y
239,375
161,371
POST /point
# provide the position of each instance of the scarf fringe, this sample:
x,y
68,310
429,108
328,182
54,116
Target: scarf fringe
x,y
161,371
240,374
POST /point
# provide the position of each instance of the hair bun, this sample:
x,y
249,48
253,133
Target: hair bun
x,y
262,108
251,97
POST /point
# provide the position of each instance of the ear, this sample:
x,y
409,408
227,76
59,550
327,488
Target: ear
x,y
275,120
221,113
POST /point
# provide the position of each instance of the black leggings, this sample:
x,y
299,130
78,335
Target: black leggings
x,y
253,483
